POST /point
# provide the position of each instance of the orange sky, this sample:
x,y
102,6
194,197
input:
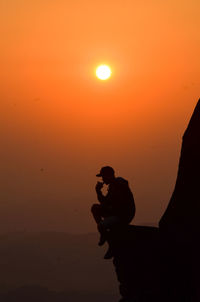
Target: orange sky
x,y
57,116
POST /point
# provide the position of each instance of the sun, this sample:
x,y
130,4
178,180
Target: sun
x,y
103,72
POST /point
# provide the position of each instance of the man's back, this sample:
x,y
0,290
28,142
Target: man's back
x,y
121,199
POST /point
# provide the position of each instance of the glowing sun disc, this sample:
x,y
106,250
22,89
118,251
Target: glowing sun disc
x,y
103,72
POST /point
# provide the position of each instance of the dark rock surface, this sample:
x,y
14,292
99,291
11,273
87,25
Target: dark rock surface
x,y
163,264
136,260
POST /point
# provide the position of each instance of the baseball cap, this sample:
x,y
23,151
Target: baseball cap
x,y
106,171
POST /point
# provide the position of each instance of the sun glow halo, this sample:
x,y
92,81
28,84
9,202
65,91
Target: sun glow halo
x,y
103,72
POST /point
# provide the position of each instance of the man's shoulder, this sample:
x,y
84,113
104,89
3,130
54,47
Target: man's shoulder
x,y
121,181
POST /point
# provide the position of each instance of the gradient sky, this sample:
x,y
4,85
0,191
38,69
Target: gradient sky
x,y
59,124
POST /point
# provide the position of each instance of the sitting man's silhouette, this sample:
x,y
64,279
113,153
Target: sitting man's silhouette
x,y
116,209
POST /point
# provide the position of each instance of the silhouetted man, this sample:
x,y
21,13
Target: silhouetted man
x,y
116,209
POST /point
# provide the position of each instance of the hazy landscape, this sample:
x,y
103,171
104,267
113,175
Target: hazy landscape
x,y
56,266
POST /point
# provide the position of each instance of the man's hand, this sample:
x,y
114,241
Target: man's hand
x,y
99,186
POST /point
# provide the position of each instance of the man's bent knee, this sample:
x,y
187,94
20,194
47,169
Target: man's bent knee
x,y
95,208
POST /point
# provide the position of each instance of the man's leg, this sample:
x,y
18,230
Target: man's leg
x,y
97,212
106,224
110,223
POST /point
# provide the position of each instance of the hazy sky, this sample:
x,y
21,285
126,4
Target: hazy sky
x,y
59,124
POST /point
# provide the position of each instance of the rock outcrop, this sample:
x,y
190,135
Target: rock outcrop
x,y
163,264
182,216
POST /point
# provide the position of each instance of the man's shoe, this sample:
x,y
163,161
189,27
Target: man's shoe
x,y
108,254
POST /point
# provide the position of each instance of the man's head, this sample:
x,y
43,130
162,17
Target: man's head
x,y
107,173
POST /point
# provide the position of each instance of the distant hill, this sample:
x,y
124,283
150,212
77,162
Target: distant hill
x,y
41,294
57,261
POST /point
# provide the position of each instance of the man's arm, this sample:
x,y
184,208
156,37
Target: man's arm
x,y
100,196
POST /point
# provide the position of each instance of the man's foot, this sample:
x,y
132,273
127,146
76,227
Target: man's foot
x,y
108,254
102,240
